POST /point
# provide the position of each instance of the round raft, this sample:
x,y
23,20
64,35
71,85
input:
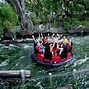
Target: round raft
x,y
56,61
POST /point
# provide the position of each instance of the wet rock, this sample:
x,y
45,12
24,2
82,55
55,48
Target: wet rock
x,y
60,30
79,30
7,35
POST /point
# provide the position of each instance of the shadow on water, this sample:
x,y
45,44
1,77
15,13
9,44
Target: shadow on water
x,y
17,57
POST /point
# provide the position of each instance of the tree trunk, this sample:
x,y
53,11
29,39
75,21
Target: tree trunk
x,y
26,24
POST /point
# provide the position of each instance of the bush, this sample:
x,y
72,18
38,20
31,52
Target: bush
x,y
74,22
8,17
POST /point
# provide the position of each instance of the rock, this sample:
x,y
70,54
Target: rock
x,y
7,35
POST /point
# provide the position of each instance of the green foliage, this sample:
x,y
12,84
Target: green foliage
x,y
8,17
51,10
42,11
74,22
70,23
87,4
36,20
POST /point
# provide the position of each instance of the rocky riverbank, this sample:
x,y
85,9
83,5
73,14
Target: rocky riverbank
x,y
78,30
73,31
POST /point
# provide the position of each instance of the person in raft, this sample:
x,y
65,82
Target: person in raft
x,y
55,38
45,38
45,41
67,43
64,47
64,39
37,39
48,53
38,47
62,50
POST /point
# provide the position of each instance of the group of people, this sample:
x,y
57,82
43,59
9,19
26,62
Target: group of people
x,y
52,45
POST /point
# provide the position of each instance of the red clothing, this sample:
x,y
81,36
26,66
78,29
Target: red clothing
x,y
54,51
38,48
45,39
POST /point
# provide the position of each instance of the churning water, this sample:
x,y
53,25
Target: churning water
x,y
17,57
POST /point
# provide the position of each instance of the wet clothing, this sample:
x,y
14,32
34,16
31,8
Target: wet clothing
x,y
42,48
54,49
47,53
69,48
64,52
35,50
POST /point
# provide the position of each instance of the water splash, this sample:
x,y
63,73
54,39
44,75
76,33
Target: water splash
x,y
39,85
26,46
80,61
4,63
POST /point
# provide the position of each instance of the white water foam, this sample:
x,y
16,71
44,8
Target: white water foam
x,y
26,46
81,61
39,85
4,63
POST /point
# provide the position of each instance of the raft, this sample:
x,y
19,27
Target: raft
x,y
56,61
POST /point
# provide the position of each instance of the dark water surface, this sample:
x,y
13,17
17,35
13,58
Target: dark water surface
x,y
17,57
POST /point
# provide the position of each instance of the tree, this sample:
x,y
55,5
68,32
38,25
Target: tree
x,y
8,17
19,6
54,9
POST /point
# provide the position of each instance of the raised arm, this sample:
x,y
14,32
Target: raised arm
x,y
33,37
53,35
58,35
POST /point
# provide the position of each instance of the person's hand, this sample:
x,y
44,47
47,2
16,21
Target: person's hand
x,y
53,35
57,34
32,36
51,45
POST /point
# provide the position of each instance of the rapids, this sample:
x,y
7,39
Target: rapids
x,y
17,57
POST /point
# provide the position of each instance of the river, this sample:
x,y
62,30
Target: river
x,y
18,57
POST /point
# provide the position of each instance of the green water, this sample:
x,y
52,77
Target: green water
x,y
17,57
